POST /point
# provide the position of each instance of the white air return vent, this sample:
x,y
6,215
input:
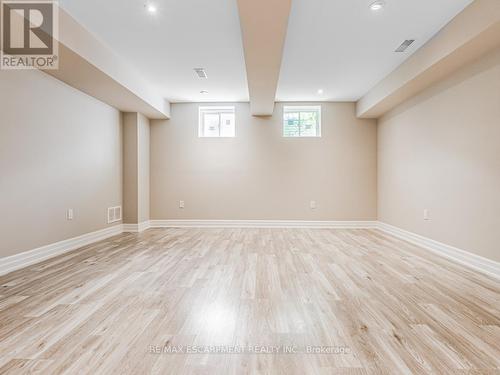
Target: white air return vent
x,y
201,72
404,45
114,214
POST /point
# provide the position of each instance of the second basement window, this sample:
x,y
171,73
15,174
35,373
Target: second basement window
x,y
216,122
302,121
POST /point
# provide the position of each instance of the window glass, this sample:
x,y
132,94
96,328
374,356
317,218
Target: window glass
x,y
216,122
302,121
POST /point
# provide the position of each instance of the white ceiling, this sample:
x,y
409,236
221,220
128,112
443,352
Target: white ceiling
x,y
345,48
166,46
340,46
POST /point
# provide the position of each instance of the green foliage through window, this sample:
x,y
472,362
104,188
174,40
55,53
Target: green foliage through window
x,y
302,121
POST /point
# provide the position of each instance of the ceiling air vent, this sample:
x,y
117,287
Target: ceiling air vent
x,y
404,45
201,72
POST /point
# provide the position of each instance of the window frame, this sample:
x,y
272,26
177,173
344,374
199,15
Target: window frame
x,y
299,109
215,109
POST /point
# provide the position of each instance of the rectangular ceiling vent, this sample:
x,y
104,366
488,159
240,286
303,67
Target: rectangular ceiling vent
x,y
201,72
404,45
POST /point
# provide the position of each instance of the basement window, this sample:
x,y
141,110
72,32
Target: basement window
x,y
216,122
302,121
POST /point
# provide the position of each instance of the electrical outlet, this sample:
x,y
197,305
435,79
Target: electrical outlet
x,y
426,214
181,204
69,214
312,205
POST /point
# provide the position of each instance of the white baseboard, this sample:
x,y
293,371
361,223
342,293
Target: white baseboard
x,y
478,263
137,228
260,224
27,258
463,257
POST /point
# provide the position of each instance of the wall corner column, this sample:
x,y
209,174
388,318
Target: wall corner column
x,y
136,144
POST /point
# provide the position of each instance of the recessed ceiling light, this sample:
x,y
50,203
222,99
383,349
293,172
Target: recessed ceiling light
x,y
151,8
203,92
320,92
377,5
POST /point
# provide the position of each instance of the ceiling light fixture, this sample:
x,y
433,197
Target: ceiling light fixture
x,y
377,5
203,92
151,8
320,92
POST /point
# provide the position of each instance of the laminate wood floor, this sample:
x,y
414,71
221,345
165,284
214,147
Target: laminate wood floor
x,y
285,301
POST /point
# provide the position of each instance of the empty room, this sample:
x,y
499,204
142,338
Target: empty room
x,y
250,187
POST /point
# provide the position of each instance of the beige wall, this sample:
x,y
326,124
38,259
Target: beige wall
x,y
441,151
135,168
261,175
59,149
130,169
144,168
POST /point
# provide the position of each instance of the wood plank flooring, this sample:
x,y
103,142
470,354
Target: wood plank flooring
x,y
285,301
